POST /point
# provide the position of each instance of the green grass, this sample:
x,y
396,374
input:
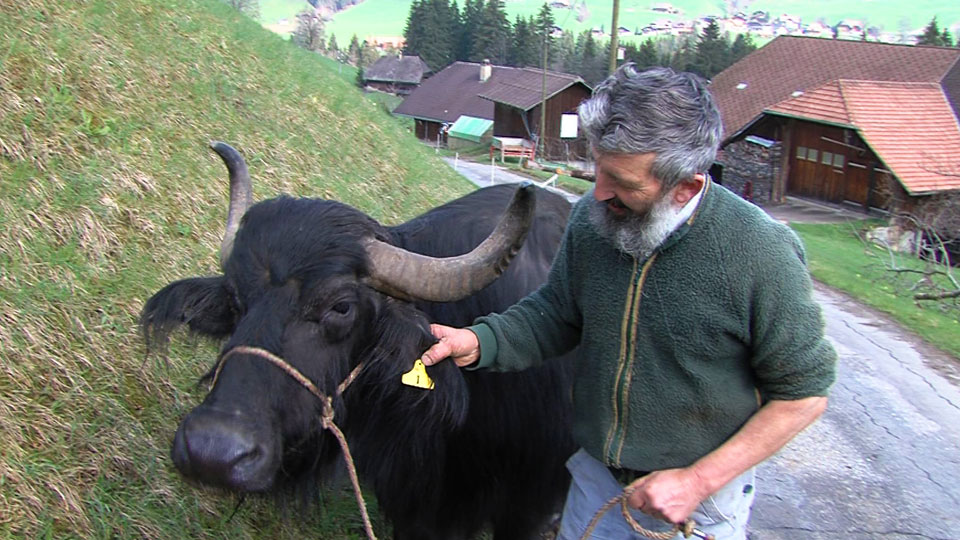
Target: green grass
x,y
272,11
107,192
388,17
838,258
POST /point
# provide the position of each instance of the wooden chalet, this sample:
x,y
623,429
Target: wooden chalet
x,y
517,95
396,74
840,121
509,96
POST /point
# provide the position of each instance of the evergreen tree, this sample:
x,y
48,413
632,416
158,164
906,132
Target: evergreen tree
x,y
645,56
563,54
525,49
742,46
933,36
472,13
353,50
712,52
431,31
333,49
250,8
492,34
542,27
368,55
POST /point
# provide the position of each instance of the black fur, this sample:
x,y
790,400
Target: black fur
x,y
481,449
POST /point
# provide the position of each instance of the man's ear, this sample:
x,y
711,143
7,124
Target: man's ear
x,y
688,189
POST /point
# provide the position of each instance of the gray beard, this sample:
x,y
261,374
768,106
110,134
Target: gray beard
x,y
636,234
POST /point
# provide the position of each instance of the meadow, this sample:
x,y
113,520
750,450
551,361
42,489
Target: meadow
x,y
388,17
108,192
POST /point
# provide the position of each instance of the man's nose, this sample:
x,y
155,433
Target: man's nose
x,y
602,190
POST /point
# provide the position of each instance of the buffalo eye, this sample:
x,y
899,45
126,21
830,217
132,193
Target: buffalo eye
x,y
341,308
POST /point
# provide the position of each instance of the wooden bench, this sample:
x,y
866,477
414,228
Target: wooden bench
x,y
512,147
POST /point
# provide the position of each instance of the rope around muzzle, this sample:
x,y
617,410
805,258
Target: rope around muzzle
x,y
686,529
326,416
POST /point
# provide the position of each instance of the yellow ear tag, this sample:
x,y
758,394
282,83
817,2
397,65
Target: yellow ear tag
x,y
417,376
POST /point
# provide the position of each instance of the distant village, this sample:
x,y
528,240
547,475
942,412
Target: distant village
x,y
759,23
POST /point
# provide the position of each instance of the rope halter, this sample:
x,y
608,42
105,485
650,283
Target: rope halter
x,y
326,415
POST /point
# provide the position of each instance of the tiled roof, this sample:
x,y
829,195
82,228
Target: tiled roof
x,y
452,92
910,126
788,64
390,68
523,87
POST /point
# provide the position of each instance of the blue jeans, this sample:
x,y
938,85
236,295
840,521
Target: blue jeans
x,y
724,514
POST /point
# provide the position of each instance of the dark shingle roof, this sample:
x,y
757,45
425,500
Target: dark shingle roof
x,y
788,64
448,94
390,68
457,90
523,87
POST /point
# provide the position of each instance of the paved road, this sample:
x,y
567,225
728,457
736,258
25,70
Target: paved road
x,y
884,460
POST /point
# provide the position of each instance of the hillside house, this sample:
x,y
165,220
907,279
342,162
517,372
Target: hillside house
x,y
864,123
508,96
396,74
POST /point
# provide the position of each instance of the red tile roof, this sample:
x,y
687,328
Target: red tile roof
x,y
910,126
787,64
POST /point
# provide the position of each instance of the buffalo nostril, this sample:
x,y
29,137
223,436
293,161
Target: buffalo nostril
x,y
219,450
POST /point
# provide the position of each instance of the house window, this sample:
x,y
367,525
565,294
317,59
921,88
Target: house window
x,y
801,152
838,161
827,158
812,154
568,126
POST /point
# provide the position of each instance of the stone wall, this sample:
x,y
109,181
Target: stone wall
x,y
749,169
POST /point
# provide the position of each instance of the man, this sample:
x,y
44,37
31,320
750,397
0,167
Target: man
x,y
701,350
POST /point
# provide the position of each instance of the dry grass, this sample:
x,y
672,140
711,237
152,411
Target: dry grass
x,y
107,191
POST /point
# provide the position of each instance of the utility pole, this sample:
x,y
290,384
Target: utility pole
x,y
614,34
541,144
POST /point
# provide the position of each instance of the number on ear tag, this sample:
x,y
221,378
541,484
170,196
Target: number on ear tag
x,y
417,376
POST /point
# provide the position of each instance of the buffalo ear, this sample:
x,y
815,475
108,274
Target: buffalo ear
x,y
203,304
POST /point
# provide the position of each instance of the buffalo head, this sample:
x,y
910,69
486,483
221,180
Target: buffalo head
x,y
326,288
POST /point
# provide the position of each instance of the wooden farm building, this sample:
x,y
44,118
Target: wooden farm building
x,y
849,122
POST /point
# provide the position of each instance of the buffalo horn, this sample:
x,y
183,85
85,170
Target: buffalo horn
x,y
241,194
404,274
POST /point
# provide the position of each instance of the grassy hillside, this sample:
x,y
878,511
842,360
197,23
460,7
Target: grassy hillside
x,y
107,192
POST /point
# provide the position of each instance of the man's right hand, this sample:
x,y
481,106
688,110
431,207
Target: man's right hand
x,y
459,344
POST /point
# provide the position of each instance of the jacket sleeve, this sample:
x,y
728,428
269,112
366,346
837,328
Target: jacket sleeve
x,y
791,357
544,324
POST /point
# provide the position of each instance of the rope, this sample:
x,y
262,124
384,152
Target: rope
x,y
326,417
687,528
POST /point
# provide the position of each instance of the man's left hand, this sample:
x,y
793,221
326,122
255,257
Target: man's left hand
x,y
671,495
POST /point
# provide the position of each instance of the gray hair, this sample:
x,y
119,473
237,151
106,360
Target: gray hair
x,y
658,110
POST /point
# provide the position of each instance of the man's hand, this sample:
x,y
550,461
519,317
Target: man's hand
x,y
671,495
459,344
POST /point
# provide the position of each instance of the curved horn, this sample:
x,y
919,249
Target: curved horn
x,y
241,194
409,275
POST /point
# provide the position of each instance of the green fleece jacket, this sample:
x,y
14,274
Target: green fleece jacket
x,y
678,350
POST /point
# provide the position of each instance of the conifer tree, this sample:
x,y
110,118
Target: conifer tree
x,y
333,49
353,50
712,52
525,49
472,13
933,36
742,46
492,34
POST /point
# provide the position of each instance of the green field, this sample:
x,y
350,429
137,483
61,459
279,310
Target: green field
x,y
388,17
108,192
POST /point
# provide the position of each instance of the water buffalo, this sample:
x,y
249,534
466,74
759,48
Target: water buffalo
x,y
327,288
